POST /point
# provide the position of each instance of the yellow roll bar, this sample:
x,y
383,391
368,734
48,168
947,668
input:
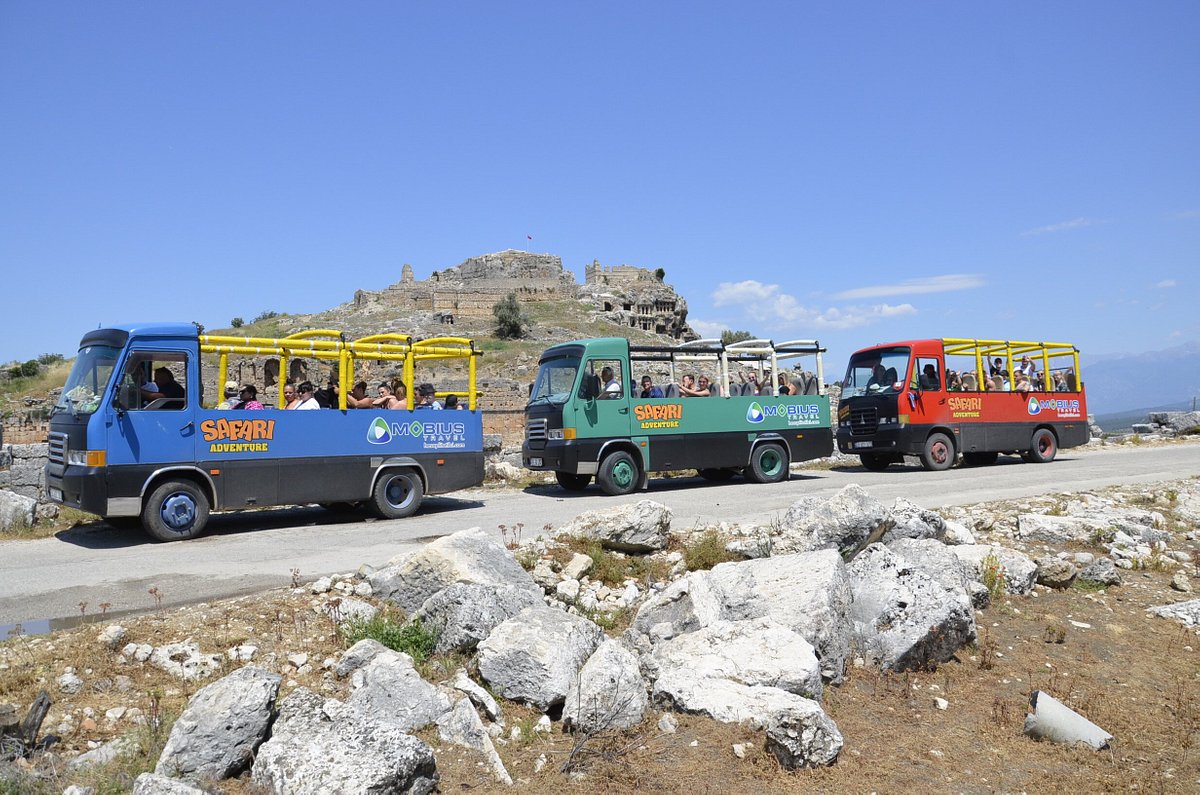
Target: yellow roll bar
x,y
982,350
329,345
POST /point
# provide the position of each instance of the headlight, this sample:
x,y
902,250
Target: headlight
x,y
86,458
555,434
77,458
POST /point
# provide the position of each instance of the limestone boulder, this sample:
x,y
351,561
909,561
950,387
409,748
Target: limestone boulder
x,y
755,652
466,613
909,520
725,700
479,697
534,656
320,746
462,726
1018,571
1187,613
642,526
157,784
843,522
359,655
806,592
906,619
1101,571
1055,572
802,735
16,510
935,559
222,726
609,692
389,689
468,556
185,660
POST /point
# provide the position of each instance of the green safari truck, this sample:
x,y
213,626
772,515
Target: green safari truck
x,y
586,416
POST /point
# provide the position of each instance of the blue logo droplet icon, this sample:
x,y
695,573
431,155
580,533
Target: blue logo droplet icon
x,y
378,431
754,413
1034,406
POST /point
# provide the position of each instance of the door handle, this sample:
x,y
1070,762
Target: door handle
x,y
622,411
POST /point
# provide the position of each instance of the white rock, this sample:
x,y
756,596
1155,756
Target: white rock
x,y
642,526
609,692
321,585
112,636
534,656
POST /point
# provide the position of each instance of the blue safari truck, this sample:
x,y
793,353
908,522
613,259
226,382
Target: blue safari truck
x,y
134,440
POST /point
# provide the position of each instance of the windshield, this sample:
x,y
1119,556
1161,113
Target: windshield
x,y
555,380
872,372
87,381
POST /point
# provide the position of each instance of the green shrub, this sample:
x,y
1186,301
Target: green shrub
x,y
994,576
237,322
412,637
706,551
511,322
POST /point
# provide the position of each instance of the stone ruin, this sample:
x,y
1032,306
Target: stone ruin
x,y
625,294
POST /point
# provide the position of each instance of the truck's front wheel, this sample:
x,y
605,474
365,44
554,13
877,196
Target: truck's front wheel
x,y
618,474
572,482
175,511
938,453
876,462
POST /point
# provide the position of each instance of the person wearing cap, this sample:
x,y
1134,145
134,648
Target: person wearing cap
x,y
426,397
231,396
248,398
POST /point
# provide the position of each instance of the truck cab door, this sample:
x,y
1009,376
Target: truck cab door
x,y
602,403
927,388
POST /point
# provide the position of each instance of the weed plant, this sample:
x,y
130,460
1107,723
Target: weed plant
x,y
411,637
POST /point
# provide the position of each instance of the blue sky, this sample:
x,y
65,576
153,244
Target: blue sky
x,y
858,174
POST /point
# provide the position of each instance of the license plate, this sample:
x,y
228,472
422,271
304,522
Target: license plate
x,y
861,444
56,495
535,462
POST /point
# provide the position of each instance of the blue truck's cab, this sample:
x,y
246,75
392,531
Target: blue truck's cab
x,y
131,437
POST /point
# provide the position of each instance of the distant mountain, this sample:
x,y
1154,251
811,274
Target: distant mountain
x,y
1155,380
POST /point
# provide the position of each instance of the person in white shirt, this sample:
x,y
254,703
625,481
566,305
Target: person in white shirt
x,y
307,401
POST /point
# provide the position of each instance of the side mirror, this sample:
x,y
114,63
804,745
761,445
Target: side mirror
x,y
590,389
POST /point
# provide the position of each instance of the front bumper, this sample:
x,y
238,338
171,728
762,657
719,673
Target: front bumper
x,y
895,439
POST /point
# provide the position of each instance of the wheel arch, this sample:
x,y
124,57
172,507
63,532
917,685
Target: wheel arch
x,y
197,476
949,433
399,462
770,438
624,445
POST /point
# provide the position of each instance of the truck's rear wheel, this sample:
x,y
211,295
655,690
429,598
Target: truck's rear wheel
x,y
876,462
572,482
1042,448
938,453
618,474
768,464
717,475
175,511
397,494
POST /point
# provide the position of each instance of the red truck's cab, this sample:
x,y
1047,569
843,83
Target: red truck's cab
x,y
938,398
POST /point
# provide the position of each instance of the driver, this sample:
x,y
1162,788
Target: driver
x,y
878,377
163,386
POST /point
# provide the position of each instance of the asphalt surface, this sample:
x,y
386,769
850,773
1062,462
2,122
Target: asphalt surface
x,y
43,582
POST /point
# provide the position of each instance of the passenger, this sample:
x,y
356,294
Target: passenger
x,y
1070,379
1027,367
248,399
327,398
752,377
649,390
612,387
929,378
1023,383
427,398
704,387
687,387
307,400
164,386
387,398
452,403
783,386
231,396
953,382
1060,382
357,399
997,366
289,396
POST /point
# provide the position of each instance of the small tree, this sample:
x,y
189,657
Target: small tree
x,y
729,337
237,322
30,368
50,358
267,315
660,274
511,322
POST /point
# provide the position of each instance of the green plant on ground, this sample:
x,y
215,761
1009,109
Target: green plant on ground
x,y
1087,586
511,321
411,637
706,551
994,575
1136,438
1103,535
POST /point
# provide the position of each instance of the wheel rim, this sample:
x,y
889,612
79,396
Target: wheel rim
x,y
623,474
398,492
770,462
939,452
1046,444
178,511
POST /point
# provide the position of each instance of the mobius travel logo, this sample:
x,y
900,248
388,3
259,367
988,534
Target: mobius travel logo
x,y
433,435
755,413
1034,406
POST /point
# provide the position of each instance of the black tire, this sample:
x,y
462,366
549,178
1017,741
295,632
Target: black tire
x,y
980,459
619,474
397,494
876,462
717,475
175,511
768,464
938,454
572,482
1042,448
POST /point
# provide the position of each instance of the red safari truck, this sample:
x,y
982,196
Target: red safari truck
x,y
938,398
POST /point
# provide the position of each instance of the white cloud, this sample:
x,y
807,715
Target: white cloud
x,y
766,303
1165,284
950,282
1063,226
708,329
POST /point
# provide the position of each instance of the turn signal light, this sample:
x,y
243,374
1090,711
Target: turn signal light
x,y
97,458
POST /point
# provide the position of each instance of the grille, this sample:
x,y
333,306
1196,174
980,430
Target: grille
x,y
58,448
863,421
535,430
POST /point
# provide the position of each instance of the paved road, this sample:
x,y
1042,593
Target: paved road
x,y
245,552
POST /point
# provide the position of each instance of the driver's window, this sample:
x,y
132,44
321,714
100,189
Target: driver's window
x,y
928,375
606,377
154,381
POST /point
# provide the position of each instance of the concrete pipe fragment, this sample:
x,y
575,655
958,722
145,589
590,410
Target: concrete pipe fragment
x,y
1054,721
